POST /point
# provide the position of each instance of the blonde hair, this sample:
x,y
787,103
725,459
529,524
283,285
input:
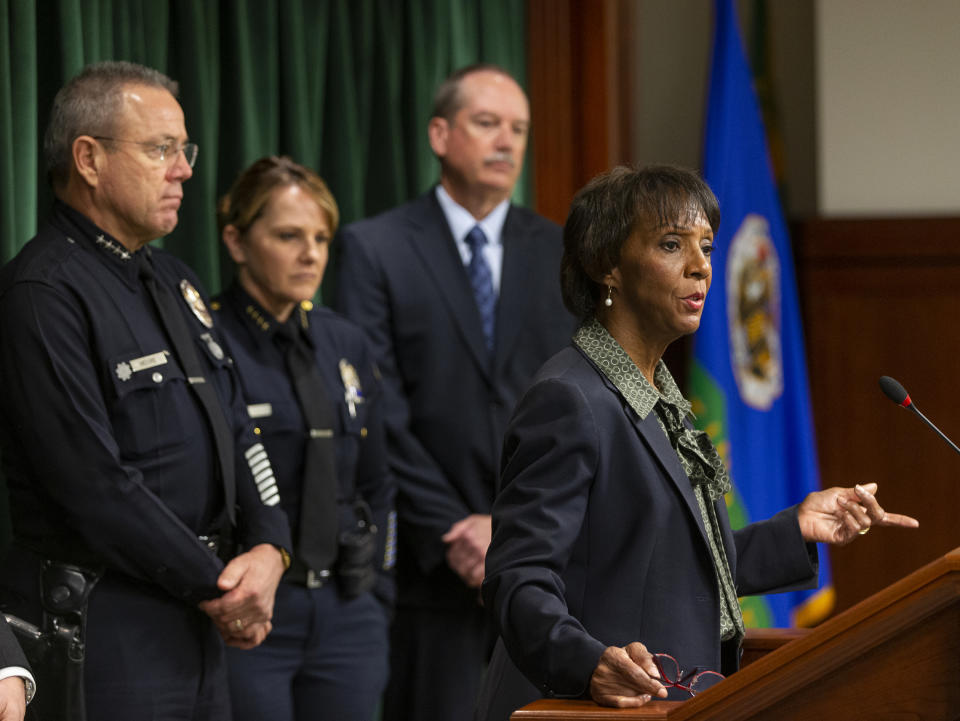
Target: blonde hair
x,y
250,193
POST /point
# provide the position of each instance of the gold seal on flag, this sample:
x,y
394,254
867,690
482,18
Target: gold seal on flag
x,y
753,313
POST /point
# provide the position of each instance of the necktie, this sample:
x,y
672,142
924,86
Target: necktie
x,y
317,542
171,315
481,280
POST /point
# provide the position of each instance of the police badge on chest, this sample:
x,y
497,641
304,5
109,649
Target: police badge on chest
x,y
353,392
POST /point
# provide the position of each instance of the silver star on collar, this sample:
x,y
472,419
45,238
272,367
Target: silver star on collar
x,y
114,248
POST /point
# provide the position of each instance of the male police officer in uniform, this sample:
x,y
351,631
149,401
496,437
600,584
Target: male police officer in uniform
x,y
129,456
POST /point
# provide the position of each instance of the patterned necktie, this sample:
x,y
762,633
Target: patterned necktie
x,y
317,542
481,280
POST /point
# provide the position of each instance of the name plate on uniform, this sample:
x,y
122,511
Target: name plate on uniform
x,y
148,361
260,410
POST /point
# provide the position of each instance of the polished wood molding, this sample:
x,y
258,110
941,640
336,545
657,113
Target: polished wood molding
x,y
824,241
757,643
760,641
895,655
551,709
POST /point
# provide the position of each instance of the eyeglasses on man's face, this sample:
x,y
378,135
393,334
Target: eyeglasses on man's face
x,y
694,681
161,152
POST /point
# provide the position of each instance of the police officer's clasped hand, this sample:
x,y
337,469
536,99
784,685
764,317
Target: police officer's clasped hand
x,y
242,614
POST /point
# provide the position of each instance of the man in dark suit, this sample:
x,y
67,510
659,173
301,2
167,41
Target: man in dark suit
x,y
459,292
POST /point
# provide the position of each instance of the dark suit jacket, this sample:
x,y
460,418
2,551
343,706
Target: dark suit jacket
x,y
446,402
10,652
599,541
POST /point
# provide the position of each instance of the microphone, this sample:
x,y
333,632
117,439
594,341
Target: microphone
x,y
898,394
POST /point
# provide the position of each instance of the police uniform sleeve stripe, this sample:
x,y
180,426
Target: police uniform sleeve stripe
x,y
271,498
259,460
265,483
254,450
262,473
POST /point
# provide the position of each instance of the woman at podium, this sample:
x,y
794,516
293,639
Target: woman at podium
x,y
613,573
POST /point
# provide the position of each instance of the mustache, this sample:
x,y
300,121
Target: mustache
x,y
500,157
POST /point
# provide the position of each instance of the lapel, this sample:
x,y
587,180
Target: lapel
x,y
651,432
519,259
429,235
657,442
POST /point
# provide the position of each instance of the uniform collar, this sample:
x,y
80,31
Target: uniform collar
x,y
84,232
263,326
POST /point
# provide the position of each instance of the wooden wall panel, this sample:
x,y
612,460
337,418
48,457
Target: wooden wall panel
x,y
576,80
551,86
882,297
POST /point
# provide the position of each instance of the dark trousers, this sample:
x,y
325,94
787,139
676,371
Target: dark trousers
x,y
437,658
151,657
326,658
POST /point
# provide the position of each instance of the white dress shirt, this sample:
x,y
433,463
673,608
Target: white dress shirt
x,y
462,222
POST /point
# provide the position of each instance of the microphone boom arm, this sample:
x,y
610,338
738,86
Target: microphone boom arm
x,y
926,420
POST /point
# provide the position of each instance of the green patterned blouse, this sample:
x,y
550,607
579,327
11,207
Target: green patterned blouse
x,y
696,452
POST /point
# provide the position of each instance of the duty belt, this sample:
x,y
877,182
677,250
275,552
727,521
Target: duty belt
x,y
299,574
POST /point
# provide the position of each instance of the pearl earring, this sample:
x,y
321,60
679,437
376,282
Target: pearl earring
x,y
609,301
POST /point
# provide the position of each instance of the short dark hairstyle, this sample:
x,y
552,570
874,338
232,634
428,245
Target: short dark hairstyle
x,y
448,99
88,105
605,213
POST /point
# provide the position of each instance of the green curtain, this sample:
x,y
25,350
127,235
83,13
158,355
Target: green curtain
x,y
343,86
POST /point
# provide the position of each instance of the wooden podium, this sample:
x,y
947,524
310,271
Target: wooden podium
x,y
895,655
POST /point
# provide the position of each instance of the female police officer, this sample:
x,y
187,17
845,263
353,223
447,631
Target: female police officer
x,y
311,387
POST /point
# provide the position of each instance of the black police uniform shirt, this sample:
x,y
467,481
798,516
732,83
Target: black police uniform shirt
x,y
108,455
352,384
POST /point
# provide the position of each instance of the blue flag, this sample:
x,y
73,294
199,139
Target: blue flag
x,y
748,377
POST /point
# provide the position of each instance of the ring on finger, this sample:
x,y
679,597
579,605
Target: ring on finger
x,y
864,531
238,624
